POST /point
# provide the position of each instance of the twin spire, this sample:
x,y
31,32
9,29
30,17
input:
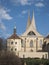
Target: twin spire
x,y
31,22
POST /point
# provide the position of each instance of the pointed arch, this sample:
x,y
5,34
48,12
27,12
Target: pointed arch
x,y
31,43
31,33
40,43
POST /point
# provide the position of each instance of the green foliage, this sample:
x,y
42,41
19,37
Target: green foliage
x,y
1,44
33,61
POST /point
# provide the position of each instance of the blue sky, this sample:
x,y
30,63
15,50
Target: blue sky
x,y
15,13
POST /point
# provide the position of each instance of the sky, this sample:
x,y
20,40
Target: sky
x,y
15,13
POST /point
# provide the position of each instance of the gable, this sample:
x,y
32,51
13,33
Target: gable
x,y
31,33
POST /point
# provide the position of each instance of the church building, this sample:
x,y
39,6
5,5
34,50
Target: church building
x,y
29,44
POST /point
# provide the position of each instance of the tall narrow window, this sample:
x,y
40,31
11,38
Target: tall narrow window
x,y
22,44
15,49
31,43
45,56
40,43
23,56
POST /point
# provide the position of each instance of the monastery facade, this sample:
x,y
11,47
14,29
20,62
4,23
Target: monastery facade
x,y
29,44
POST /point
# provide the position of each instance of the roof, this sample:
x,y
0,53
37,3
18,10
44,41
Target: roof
x,y
47,36
14,36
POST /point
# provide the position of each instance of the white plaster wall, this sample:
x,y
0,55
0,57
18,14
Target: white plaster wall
x,y
35,41
33,54
17,46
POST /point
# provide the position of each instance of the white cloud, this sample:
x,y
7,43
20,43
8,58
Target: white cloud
x,y
4,14
24,11
22,2
39,4
7,35
25,2
2,26
40,0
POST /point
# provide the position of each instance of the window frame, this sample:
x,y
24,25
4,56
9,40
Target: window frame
x,y
31,43
12,43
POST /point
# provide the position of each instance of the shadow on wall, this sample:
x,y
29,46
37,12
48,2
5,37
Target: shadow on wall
x,y
45,48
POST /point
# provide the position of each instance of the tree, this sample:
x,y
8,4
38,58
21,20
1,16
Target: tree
x,y
1,44
9,58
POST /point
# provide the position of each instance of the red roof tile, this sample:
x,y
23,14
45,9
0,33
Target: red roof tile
x,y
14,36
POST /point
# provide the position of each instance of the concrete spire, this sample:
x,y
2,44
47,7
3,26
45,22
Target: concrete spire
x,y
31,27
33,21
29,22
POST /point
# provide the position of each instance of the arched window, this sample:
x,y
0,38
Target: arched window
x,y
22,44
40,43
31,43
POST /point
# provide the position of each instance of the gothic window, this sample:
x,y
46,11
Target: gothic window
x,y
40,43
31,43
12,42
22,44
31,33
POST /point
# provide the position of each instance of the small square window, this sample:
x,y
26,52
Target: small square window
x,y
15,42
11,42
15,49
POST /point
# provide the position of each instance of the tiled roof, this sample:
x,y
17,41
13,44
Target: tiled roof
x,y
14,36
